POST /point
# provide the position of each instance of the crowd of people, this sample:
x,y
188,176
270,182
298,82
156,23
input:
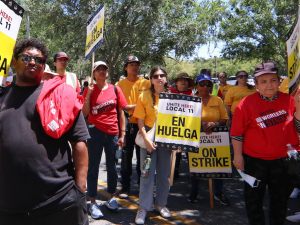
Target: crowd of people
x,y
55,152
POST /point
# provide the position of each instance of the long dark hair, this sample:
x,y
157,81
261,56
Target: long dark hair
x,y
249,86
166,86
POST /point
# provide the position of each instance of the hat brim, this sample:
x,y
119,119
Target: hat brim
x,y
265,72
191,81
63,57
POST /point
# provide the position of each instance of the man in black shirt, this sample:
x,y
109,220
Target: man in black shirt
x,y
41,180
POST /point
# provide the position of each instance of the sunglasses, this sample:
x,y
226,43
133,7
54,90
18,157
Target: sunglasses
x,y
242,76
28,58
222,76
202,84
155,76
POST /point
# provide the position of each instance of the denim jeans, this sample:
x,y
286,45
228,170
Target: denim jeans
x,y
98,141
127,154
161,163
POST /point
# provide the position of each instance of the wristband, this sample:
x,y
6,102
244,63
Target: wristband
x,y
217,124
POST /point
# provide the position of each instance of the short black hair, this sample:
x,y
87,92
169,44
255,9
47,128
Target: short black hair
x,y
30,42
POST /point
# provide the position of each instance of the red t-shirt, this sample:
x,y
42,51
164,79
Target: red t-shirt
x,y
175,91
267,127
103,113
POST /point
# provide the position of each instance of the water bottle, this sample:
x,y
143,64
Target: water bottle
x,y
146,167
292,152
118,154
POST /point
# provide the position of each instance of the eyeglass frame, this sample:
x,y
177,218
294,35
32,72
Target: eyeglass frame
x,y
31,57
155,76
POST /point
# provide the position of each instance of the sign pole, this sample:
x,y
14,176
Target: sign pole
x,y
211,194
92,74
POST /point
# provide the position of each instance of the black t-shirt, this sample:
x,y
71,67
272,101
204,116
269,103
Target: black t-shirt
x,y
35,169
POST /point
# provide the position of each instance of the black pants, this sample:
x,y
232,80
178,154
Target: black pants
x,y
126,165
69,209
271,173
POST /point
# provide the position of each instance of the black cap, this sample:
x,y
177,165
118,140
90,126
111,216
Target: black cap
x,y
131,59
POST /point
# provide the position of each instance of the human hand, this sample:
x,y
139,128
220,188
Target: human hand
x,y
238,162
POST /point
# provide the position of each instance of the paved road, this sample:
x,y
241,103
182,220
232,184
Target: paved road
x,y
183,212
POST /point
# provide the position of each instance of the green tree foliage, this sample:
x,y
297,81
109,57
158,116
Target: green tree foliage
x,y
149,29
256,29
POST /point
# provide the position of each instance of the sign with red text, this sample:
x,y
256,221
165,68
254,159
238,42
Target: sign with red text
x,y
178,122
213,159
10,19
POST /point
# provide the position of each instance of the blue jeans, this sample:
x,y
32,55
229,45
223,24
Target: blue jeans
x,y
100,139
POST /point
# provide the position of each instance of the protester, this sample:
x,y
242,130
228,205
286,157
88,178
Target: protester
x,y
263,124
215,90
132,86
222,77
39,182
183,85
235,94
213,114
101,101
61,61
85,85
146,113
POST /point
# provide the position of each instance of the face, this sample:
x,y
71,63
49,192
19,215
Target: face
x,y
29,73
182,84
267,85
100,73
222,78
242,78
206,87
159,78
61,63
132,68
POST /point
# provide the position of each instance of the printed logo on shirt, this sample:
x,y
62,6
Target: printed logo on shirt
x,y
143,89
214,106
271,118
103,107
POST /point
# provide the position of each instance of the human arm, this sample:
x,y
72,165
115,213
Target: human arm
x,y
122,126
228,107
149,144
130,107
238,160
87,96
80,160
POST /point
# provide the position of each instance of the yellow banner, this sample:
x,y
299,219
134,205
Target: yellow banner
x,y
6,54
178,127
94,36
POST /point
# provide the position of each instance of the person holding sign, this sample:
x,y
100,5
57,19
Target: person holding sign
x,y
213,114
101,101
236,93
146,113
262,126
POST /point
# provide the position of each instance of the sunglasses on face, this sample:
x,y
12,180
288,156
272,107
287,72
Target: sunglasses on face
x,y
222,76
242,76
28,58
202,84
155,76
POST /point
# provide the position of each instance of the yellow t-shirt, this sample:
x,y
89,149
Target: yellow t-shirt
x,y
214,110
132,91
284,86
145,110
224,89
235,95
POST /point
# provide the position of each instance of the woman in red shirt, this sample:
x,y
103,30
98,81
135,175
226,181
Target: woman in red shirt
x,y
101,106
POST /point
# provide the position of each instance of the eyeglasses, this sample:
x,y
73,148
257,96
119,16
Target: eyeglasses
x,y
62,60
242,76
222,76
158,75
28,58
202,84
